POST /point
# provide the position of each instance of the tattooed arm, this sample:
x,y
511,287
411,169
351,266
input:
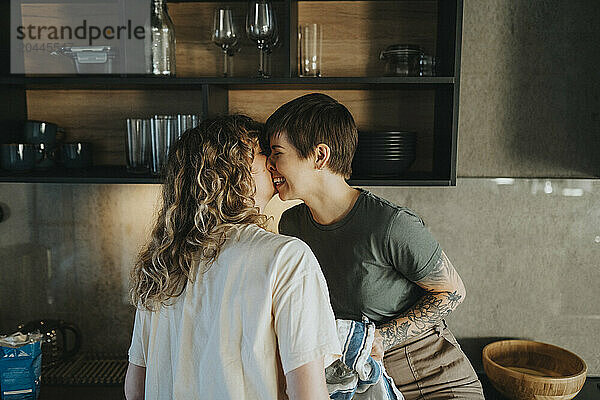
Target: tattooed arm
x,y
445,291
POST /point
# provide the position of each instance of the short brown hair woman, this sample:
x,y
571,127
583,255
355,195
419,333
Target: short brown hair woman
x,y
379,259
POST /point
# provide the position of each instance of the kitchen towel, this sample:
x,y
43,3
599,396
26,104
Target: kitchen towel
x,y
356,375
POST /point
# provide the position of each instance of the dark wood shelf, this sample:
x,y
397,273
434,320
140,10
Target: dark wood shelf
x,y
226,1
97,174
156,82
115,174
242,1
400,182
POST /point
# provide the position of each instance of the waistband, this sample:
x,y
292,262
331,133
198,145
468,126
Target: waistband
x,y
436,329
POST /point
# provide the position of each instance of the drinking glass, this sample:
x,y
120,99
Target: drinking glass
x,y
163,133
427,65
185,122
310,50
260,27
271,45
225,35
138,145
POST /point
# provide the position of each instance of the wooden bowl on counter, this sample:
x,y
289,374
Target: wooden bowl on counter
x,y
524,369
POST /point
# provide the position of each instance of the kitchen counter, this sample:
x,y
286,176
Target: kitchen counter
x,y
590,391
87,392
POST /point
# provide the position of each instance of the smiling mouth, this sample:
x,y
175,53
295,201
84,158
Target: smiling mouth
x,y
278,181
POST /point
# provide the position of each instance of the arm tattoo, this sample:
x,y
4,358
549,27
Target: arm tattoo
x,y
437,303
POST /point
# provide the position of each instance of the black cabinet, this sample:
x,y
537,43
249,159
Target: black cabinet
x,y
94,108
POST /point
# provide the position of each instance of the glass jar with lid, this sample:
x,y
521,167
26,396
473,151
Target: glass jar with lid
x,y
402,60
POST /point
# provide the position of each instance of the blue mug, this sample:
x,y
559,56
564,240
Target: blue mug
x,y
76,155
18,156
37,132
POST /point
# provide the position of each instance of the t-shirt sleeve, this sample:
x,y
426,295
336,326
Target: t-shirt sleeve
x,y
412,250
139,346
304,321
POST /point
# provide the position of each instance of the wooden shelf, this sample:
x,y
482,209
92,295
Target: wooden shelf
x,y
111,174
238,1
96,174
425,181
155,82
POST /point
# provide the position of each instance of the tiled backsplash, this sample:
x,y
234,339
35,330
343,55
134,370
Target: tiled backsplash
x,y
526,249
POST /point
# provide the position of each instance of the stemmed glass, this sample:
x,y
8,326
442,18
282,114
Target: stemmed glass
x,y
271,45
225,35
261,28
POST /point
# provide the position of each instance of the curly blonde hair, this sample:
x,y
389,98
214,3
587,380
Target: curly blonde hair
x,y
208,189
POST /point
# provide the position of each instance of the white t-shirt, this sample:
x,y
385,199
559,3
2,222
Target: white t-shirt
x,y
262,309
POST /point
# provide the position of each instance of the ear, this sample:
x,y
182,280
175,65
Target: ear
x,y
322,155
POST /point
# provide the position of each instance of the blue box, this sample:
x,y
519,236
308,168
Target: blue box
x,y
20,371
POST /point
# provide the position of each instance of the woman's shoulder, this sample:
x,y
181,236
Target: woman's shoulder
x,y
278,252
395,212
271,242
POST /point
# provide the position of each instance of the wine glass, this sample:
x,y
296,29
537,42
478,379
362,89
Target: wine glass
x,y
225,35
271,45
260,26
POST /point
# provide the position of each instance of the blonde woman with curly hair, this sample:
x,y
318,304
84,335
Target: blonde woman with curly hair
x,y
226,309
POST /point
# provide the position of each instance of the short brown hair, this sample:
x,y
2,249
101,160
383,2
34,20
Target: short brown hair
x,y
317,118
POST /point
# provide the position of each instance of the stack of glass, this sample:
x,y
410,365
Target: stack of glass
x,y
149,140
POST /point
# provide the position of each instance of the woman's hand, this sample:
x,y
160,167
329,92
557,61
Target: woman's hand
x,y
377,350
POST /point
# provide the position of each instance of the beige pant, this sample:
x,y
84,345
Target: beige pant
x,y
433,366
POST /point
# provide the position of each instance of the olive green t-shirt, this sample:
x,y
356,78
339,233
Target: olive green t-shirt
x,y
370,258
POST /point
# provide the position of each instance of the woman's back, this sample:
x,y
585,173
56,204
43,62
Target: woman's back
x,y
219,338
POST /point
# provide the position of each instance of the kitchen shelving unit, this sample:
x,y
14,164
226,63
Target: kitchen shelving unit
x,y
93,107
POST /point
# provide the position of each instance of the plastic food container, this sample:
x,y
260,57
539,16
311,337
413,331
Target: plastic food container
x,y
402,60
90,59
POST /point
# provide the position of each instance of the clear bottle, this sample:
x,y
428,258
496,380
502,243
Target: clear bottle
x,y
163,40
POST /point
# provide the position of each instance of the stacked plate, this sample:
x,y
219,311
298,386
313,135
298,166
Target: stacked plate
x,y
384,154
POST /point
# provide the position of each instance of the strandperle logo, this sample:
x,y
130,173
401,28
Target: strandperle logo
x,y
82,32
80,37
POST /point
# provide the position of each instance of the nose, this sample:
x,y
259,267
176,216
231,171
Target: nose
x,y
271,165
